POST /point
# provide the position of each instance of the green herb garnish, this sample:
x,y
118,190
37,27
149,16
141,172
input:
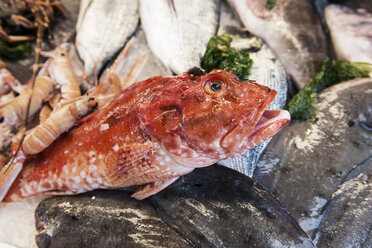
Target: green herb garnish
x,y
270,4
14,52
303,105
220,55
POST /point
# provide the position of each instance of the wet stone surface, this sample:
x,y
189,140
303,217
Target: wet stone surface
x,y
102,219
347,220
210,207
306,162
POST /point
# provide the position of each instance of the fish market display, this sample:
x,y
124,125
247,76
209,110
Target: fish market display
x,y
178,31
292,29
210,207
302,106
347,220
304,164
152,133
268,71
351,32
102,29
139,49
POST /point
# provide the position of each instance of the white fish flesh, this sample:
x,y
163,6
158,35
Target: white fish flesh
x,y
102,29
351,32
292,29
178,31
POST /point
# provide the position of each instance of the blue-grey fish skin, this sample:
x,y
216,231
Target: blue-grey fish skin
x,y
347,220
292,29
266,70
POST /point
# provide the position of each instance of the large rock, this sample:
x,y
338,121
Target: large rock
x,y
102,219
211,207
347,220
306,162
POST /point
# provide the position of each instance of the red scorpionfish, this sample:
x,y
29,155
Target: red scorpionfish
x,y
152,133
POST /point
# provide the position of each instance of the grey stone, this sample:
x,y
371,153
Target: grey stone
x,y
347,220
306,162
211,207
216,207
102,219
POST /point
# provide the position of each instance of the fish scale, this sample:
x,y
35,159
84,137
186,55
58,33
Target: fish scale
x,y
136,140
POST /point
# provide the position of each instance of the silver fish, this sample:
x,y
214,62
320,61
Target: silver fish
x,y
351,32
292,29
266,70
178,31
138,51
102,29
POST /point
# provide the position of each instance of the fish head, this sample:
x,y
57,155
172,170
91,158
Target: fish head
x,y
201,119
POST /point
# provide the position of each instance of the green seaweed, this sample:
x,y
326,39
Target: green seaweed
x,y
270,4
14,52
220,55
303,105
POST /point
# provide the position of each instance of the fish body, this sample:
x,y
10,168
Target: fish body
x,y
292,29
102,29
152,133
350,32
178,31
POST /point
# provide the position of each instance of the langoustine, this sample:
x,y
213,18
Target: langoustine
x,y
152,133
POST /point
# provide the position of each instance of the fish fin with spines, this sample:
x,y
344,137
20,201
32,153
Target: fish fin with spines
x,y
153,188
127,159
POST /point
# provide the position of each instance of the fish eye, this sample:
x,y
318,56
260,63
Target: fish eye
x,y
214,87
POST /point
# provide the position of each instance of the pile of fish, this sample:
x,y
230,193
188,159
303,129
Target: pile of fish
x,y
309,167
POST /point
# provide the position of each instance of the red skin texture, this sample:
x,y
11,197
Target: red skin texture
x,y
152,133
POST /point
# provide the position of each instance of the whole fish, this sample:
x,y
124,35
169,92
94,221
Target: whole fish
x,y
351,32
178,31
292,29
102,29
152,133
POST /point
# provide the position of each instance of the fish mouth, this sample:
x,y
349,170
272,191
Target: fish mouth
x,y
271,122
265,125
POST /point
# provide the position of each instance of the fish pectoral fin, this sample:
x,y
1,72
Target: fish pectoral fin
x,y
125,160
153,188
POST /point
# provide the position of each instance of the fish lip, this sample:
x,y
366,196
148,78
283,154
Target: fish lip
x,y
234,140
268,118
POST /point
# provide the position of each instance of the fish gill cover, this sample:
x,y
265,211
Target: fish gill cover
x,y
220,55
303,105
